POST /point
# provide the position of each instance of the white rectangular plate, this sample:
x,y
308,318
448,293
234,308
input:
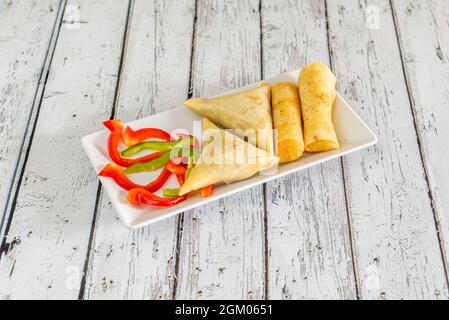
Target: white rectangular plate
x,y
353,134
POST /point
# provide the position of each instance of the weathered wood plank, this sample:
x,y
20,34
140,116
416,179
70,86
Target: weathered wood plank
x,y
423,30
51,224
222,244
140,264
394,237
309,253
26,29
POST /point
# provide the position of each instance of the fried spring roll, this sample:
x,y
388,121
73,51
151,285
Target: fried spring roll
x,y
317,92
285,106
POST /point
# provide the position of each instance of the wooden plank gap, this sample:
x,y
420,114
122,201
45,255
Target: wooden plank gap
x,y
89,245
192,52
343,174
113,112
265,240
122,58
180,222
264,187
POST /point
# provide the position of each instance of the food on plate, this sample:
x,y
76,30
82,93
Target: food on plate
x,y
175,156
287,120
142,196
114,171
151,165
115,137
170,192
176,169
317,93
149,145
160,161
207,191
158,145
131,137
225,158
248,112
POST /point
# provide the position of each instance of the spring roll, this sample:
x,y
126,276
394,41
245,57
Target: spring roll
x,y
317,93
287,120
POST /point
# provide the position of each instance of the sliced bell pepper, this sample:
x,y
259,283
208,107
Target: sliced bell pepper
x,y
174,192
152,145
181,179
116,128
158,145
161,161
150,165
131,137
142,196
179,170
115,172
176,168
207,191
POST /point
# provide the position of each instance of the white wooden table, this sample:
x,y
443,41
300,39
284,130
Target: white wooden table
x,y
373,225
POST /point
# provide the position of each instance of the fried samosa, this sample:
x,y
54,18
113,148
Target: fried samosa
x,y
287,121
248,112
317,93
225,158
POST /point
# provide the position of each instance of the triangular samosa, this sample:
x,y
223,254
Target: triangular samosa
x,y
248,112
225,158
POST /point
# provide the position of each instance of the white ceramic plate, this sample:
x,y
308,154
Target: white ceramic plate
x,y
353,134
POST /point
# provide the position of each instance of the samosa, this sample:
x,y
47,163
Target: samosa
x,y
248,112
225,158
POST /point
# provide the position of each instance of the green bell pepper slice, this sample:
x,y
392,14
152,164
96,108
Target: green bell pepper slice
x,y
150,165
157,145
167,192
161,161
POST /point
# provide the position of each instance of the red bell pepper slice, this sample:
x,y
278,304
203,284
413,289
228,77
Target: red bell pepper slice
x,y
142,196
115,172
131,137
181,179
116,128
207,191
179,170
176,168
